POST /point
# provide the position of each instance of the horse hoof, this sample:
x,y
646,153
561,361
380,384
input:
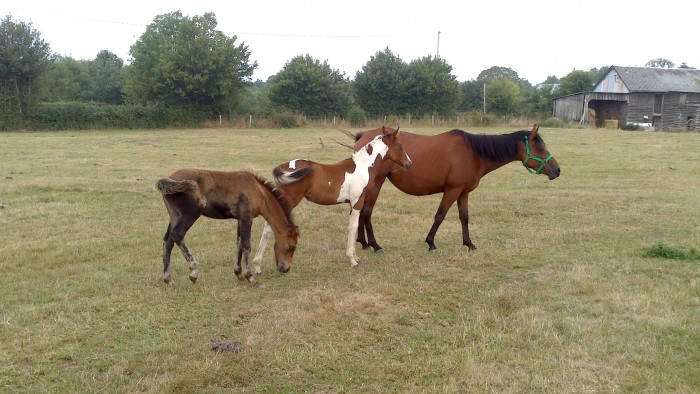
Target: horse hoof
x,y
193,279
380,251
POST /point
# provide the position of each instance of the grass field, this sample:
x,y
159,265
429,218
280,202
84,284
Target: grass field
x,y
559,297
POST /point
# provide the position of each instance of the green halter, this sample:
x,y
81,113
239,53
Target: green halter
x,y
529,156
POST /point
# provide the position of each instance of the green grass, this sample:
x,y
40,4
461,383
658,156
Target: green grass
x,y
664,251
557,298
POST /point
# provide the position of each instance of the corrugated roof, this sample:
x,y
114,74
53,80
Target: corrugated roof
x,y
650,79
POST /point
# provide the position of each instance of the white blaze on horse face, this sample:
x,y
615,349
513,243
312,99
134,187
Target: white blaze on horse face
x,y
355,182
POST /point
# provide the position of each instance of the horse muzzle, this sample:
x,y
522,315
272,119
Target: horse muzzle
x,y
283,267
553,172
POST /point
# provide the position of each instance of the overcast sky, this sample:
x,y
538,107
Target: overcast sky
x,y
535,38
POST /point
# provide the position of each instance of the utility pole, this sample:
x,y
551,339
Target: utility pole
x,y
437,55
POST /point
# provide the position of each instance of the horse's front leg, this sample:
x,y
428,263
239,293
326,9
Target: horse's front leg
x,y
463,205
352,233
365,222
257,260
245,226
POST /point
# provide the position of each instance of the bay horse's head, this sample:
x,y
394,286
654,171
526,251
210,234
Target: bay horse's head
x,y
392,139
284,249
535,156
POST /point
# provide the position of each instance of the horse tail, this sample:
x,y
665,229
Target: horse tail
x,y
284,177
171,186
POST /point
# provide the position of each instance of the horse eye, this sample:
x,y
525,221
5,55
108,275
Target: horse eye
x,y
291,248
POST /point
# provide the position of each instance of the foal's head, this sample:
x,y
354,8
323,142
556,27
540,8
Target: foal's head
x,y
284,249
392,139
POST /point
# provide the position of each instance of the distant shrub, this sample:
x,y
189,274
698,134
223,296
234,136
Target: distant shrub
x,y
553,123
630,127
83,116
357,117
285,120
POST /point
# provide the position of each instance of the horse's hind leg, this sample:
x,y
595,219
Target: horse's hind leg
x,y
257,260
448,198
168,243
177,233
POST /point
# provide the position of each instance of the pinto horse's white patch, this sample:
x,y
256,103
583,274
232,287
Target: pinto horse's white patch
x,y
356,181
293,163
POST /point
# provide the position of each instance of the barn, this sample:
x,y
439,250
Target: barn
x,y
655,98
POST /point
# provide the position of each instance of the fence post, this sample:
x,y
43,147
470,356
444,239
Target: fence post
x,y
250,121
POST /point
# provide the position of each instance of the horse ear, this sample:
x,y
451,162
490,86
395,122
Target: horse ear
x,y
535,128
383,130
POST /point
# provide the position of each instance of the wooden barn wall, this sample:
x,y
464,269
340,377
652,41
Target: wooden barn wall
x,y
640,105
677,108
569,108
675,111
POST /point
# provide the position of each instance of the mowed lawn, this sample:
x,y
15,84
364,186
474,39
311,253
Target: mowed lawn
x,y
558,297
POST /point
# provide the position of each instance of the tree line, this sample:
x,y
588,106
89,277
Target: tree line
x,y
183,71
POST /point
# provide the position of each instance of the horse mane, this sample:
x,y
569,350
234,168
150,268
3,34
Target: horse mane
x,y
359,135
494,147
286,207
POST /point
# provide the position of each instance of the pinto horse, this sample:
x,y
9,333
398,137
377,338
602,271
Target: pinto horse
x,y
452,163
347,181
191,193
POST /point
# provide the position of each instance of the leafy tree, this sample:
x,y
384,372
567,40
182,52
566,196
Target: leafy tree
x,y
307,86
497,72
575,82
186,62
539,99
108,77
503,97
432,89
472,96
23,58
256,100
661,63
67,79
551,80
598,73
380,86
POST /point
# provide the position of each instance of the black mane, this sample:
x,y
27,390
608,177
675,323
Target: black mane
x,y
494,147
279,197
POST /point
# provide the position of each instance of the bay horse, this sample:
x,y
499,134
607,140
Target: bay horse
x,y
347,181
452,163
191,193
